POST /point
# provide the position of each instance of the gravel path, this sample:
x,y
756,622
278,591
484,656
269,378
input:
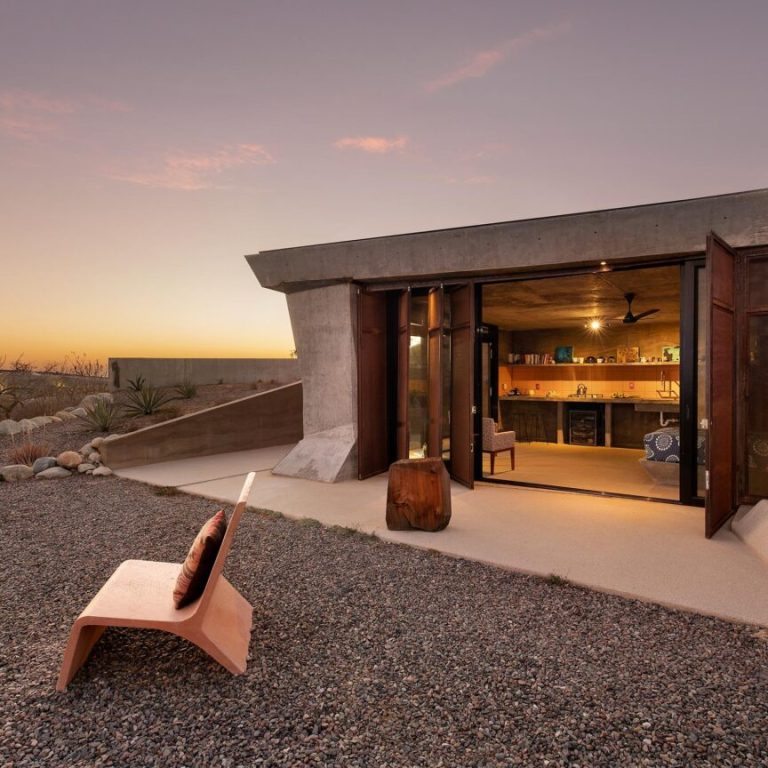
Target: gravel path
x,y
363,654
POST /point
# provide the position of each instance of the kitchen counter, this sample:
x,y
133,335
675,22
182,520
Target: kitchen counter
x,y
552,421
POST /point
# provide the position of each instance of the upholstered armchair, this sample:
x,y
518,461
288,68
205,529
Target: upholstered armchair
x,y
495,442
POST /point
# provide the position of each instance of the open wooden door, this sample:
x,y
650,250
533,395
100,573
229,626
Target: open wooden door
x,y
402,437
372,453
462,384
435,372
721,378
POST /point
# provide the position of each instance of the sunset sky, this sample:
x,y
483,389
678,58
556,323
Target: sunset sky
x,y
146,147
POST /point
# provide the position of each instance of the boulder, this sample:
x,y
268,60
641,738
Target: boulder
x,y
90,400
96,442
83,468
55,419
27,425
64,415
94,457
79,412
9,427
86,449
69,459
40,421
43,463
418,495
54,473
102,472
14,472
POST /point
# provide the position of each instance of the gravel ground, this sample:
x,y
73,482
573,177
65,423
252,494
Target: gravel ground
x,y
363,654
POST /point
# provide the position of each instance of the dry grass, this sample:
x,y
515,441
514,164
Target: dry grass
x,y
29,451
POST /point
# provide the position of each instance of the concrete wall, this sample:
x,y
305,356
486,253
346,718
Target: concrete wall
x,y
614,235
168,371
258,421
324,328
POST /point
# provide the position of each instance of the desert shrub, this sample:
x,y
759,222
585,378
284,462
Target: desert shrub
x,y
11,396
102,415
137,384
186,390
28,452
147,400
79,365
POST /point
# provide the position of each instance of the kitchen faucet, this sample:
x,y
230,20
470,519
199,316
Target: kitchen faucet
x,y
581,390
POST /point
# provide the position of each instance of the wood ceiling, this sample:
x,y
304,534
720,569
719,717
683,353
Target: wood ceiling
x,y
564,302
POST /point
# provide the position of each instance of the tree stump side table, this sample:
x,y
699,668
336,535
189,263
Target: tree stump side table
x,y
418,495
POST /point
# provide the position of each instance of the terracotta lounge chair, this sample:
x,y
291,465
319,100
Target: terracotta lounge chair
x,y
140,594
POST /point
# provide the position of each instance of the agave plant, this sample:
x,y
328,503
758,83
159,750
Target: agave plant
x,y
147,400
186,390
102,415
137,384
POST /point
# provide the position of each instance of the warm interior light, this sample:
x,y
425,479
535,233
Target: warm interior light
x,y
594,325
603,263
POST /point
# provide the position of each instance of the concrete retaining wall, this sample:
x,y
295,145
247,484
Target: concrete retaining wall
x,y
168,371
258,421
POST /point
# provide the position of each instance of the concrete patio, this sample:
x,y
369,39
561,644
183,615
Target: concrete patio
x,y
651,551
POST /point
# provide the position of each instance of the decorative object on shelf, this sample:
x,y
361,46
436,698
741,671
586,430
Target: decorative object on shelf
x,y
628,354
611,359
563,354
590,359
671,354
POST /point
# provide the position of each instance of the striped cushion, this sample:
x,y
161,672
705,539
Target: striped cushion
x,y
194,574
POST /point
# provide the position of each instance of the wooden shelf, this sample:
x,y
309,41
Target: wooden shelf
x,y
582,365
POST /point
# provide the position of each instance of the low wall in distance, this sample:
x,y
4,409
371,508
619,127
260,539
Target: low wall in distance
x,y
257,421
169,371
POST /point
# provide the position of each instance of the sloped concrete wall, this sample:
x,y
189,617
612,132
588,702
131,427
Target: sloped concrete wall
x,y
258,421
169,371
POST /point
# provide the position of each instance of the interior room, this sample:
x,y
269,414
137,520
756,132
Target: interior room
x,y
585,370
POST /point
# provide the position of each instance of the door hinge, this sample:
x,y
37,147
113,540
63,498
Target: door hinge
x,y
474,410
706,480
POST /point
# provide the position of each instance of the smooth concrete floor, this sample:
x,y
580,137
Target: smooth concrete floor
x,y
611,470
650,550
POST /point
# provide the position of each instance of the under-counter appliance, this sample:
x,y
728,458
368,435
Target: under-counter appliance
x,y
585,424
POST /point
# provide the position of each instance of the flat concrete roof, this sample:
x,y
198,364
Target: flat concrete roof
x,y
635,233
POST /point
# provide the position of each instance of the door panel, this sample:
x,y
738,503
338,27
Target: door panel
x,y
462,384
434,383
721,358
372,454
403,349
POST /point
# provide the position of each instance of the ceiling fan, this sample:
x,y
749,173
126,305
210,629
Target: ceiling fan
x,y
631,318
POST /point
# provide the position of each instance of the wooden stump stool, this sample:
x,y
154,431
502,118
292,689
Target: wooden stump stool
x,y
418,495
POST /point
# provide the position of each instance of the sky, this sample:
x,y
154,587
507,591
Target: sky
x,y
146,147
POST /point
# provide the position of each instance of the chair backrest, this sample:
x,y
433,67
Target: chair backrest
x,y
221,557
489,430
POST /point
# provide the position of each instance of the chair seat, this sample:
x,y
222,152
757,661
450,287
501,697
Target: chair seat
x,y
139,591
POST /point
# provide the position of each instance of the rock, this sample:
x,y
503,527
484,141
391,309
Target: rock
x,y
107,439
94,457
43,463
96,442
55,419
79,412
65,415
27,425
418,495
69,459
102,472
9,427
54,473
15,472
83,468
40,421
86,449
90,400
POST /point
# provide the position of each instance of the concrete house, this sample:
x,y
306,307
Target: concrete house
x,y
626,349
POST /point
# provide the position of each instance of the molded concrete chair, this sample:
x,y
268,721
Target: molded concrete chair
x,y
140,594
495,442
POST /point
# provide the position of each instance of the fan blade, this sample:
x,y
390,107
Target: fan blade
x,y
647,313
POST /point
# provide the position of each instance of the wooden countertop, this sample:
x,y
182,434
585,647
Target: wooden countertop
x,y
620,400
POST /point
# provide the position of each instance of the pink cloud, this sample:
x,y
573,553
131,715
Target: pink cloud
x,y
472,180
483,62
27,115
187,171
374,144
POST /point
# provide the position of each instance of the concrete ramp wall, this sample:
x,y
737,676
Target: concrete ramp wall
x,y
258,421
